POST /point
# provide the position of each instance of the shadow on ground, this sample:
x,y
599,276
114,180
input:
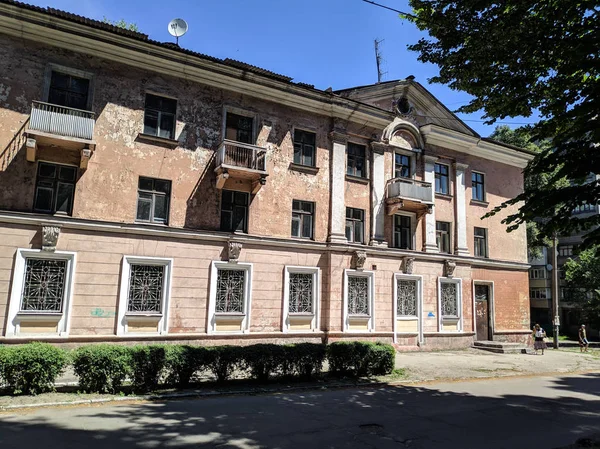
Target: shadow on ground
x,y
375,417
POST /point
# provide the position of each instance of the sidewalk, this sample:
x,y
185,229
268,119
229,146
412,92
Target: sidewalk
x,y
475,363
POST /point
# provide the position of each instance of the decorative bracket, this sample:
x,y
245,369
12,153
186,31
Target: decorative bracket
x,y
407,265
233,251
449,267
50,236
359,259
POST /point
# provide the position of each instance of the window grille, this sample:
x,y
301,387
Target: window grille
x,y
358,295
449,299
44,286
230,291
301,293
407,297
146,285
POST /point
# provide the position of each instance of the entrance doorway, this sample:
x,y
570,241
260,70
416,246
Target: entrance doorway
x,y
483,312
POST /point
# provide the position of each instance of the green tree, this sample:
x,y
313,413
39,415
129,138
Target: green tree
x,y
121,24
582,274
519,58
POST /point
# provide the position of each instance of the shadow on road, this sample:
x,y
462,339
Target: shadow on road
x,y
374,417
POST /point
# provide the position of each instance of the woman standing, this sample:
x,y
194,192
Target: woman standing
x,y
538,338
583,341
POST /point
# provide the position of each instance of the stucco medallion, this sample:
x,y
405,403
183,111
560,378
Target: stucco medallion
x,y
359,259
408,265
50,236
449,267
234,249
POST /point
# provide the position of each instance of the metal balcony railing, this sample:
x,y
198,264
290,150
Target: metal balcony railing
x,y
406,188
62,121
242,155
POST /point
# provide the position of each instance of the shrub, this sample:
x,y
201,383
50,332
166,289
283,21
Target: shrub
x,y
148,363
359,358
263,360
222,361
102,368
183,361
32,368
3,355
304,359
382,359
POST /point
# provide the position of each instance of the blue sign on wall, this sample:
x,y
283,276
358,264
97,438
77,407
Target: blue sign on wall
x,y
430,315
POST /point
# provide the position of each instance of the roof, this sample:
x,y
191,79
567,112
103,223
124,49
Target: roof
x,y
144,38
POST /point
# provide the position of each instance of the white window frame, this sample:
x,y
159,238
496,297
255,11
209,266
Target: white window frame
x,y
316,274
534,273
370,275
412,157
211,323
546,291
13,325
419,317
458,320
413,229
123,316
491,306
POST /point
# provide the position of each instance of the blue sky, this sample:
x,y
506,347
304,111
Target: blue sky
x,y
321,42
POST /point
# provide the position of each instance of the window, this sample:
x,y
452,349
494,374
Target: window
x,y
537,273
153,200
401,166
301,293
356,160
441,179
44,285
55,188
481,246
159,116
477,186
359,288
449,299
144,296
230,291
239,128
407,291
230,297
565,250
450,304
537,293
301,299
234,211
68,90
442,236
146,288
304,148
355,225
402,232
302,219
584,208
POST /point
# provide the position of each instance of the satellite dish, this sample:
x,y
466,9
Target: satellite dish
x,y
177,28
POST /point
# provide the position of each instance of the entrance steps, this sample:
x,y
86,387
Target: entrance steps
x,y
501,347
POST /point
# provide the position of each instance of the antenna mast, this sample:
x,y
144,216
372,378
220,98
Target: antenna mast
x,y
379,61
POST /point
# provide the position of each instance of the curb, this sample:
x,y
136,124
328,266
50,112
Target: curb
x,y
264,391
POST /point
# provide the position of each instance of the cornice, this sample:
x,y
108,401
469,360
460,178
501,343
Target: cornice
x,y
57,32
462,143
29,219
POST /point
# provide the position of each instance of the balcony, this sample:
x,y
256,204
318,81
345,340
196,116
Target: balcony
x,y
242,162
60,126
409,195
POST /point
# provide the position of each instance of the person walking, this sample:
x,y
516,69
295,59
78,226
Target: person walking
x,y
583,341
538,338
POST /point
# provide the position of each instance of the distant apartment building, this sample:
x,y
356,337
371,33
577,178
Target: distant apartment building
x,y
149,193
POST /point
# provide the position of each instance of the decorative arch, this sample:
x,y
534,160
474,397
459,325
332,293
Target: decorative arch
x,y
403,134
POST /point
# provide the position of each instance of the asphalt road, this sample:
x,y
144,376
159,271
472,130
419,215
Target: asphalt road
x,y
543,412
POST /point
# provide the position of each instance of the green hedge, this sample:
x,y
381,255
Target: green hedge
x,y
359,358
32,368
103,368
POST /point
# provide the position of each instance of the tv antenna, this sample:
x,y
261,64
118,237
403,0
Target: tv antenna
x,y
379,60
177,28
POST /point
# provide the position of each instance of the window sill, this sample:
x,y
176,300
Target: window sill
x,y
40,316
479,203
302,239
149,223
304,168
155,139
143,316
357,179
407,318
444,196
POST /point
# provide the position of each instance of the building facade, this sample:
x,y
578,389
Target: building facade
x,y
150,193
